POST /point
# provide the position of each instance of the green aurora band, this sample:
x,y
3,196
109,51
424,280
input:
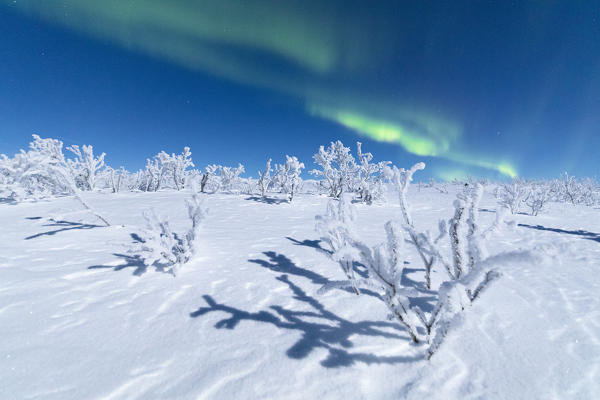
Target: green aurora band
x,y
310,38
417,138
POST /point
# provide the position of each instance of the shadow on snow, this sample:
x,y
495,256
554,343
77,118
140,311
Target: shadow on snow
x,y
333,333
319,327
585,234
266,200
64,226
132,261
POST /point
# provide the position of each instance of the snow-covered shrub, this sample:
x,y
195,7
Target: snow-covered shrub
x,y
160,246
116,178
287,176
370,177
230,177
164,169
512,195
43,170
468,273
179,163
209,179
264,178
569,189
337,168
537,197
248,185
336,230
85,167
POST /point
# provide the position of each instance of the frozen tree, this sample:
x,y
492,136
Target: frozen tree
x,y
512,195
179,163
537,198
287,176
370,176
165,249
44,169
570,188
209,178
116,178
264,178
470,270
336,230
85,166
230,177
247,185
163,166
153,174
401,179
337,168
383,262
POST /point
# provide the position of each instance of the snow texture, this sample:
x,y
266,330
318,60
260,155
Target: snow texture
x,y
82,317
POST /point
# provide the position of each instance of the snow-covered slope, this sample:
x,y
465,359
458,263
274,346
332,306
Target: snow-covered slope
x,y
80,317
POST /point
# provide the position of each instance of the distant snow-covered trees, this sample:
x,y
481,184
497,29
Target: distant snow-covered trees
x,y
539,194
230,177
44,170
370,177
512,195
339,171
264,178
342,174
85,167
164,167
337,168
287,176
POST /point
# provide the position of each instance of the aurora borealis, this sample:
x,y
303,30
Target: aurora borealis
x,y
473,88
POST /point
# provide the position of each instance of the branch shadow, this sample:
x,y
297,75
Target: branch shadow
x,y
266,200
133,261
280,263
315,244
65,226
330,331
585,234
8,200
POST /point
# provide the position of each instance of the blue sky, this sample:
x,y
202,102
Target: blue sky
x,y
472,88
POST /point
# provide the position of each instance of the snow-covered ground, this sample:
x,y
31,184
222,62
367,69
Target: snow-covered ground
x,y
80,317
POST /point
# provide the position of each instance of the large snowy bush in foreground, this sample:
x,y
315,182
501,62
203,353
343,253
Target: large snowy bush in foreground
x,y
468,268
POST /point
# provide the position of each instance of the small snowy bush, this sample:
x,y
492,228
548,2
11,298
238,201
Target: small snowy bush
x,y
165,249
230,177
537,197
85,167
287,176
264,178
337,168
512,195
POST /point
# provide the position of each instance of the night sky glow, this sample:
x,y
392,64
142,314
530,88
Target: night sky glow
x,y
483,88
